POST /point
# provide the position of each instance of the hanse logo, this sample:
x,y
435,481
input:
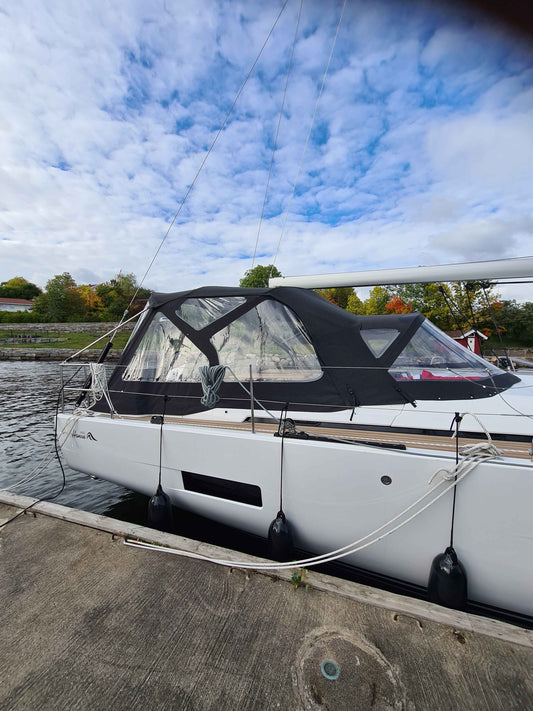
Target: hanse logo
x,y
84,435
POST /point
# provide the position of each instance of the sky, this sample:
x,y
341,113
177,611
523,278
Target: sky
x,y
418,149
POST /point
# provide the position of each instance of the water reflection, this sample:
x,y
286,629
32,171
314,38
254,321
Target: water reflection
x,y
29,393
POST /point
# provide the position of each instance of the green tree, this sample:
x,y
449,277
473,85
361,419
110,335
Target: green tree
x,y
453,309
19,288
427,299
377,300
115,295
61,300
355,305
514,321
258,276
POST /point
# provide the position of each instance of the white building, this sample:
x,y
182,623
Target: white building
x,y
15,304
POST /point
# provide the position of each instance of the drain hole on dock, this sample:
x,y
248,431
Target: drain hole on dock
x,y
330,669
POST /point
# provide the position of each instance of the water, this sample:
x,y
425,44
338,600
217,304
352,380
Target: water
x,y
29,395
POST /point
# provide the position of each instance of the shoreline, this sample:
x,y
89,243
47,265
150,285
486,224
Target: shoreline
x,y
55,354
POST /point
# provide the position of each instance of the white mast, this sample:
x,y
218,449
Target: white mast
x,y
515,268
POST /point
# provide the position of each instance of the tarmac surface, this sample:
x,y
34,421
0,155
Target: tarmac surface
x,y
89,623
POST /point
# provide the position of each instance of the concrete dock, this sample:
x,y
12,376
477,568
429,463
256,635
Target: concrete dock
x,y
89,623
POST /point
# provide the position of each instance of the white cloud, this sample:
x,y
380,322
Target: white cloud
x,y
422,148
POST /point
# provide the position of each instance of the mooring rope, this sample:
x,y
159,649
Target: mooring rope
x,y
473,455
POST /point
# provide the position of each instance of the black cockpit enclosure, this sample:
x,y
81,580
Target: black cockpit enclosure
x,y
301,350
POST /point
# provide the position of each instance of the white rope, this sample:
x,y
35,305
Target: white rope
x,y
40,467
473,455
211,379
98,388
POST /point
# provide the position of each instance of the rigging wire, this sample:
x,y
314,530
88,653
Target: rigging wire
x,y
450,303
308,135
191,186
277,133
484,286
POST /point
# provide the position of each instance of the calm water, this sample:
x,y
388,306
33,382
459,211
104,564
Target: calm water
x,y
29,393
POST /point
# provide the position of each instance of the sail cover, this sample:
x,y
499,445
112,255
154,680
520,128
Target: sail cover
x,y
301,350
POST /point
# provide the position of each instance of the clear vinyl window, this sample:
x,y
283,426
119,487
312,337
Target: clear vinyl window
x,y
199,313
432,355
165,354
379,339
273,341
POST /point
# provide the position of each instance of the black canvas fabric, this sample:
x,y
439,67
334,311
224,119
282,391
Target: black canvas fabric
x,y
352,375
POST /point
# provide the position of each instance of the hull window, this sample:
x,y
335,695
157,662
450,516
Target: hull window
x,y
223,488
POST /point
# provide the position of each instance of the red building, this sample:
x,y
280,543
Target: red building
x,y
469,339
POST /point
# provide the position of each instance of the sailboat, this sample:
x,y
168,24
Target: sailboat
x,y
400,509
219,400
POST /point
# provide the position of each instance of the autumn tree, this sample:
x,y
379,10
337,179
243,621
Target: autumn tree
x,y
93,302
398,306
377,300
337,295
258,276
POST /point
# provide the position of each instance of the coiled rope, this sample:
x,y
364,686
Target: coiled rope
x,y
211,378
98,387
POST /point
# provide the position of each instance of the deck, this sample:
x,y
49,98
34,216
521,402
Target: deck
x,y
411,440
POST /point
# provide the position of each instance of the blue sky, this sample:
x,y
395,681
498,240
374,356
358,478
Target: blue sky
x,y
421,151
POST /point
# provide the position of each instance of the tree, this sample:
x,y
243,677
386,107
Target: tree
x,y
61,301
515,322
452,309
258,276
116,295
355,305
337,295
398,306
377,300
93,303
19,288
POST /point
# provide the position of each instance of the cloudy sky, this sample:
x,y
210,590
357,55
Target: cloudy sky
x,y
421,150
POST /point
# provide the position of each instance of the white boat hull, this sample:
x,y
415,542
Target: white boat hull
x,y
333,494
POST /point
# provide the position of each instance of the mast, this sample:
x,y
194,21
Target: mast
x,y
514,268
